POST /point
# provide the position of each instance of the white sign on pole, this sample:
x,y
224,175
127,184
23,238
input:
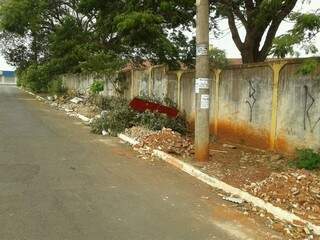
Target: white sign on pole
x,y
205,101
202,50
201,83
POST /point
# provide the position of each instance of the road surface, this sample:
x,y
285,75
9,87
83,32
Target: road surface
x,y
60,182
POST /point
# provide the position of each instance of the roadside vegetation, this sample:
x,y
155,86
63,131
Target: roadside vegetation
x,y
117,116
45,39
307,159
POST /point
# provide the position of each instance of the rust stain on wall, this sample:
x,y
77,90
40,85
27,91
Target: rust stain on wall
x,y
243,134
191,121
283,146
212,127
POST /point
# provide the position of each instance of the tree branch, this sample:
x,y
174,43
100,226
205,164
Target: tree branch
x,y
234,31
249,5
283,12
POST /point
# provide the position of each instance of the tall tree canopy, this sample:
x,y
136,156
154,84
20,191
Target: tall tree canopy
x,y
45,38
261,20
75,35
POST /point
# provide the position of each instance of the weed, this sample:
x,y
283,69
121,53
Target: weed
x,y
97,87
56,87
307,159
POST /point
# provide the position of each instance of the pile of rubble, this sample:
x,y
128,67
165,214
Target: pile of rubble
x,y
74,104
297,191
138,133
165,140
296,230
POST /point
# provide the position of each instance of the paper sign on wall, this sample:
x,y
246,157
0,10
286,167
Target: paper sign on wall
x,y
205,101
201,83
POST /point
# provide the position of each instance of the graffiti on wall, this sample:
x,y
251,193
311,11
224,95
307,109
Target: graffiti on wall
x,y
309,103
251,101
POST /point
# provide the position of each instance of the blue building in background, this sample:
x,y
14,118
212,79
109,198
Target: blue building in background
x,y
8,77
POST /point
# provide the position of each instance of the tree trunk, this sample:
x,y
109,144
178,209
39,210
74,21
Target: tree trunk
x,y
250,52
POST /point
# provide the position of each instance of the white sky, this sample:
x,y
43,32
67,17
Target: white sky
x,y
225,42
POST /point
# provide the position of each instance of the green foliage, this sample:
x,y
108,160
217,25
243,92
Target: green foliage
x,y
35,78
306,28
56,87
97,87
94,36
119,116
260,21
307,159
308,67
157,121
284,45
218,58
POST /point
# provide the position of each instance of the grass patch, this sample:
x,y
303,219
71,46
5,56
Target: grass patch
x,y
307,159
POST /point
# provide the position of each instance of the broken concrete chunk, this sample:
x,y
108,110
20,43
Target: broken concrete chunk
x,y
234,200
76,100
68,110
276,157
104,114
229,146
295,191
299,178
104,133
307,230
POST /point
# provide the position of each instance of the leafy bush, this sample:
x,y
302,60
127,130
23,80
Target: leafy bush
x,y
218,58
98,125
107,103
97,87
56,87
119,116
307,159
157,121
35,78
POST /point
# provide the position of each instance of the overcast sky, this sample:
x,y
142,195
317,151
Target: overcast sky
x,y
225,42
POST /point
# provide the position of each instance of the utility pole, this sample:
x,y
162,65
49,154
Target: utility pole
x,y
202,82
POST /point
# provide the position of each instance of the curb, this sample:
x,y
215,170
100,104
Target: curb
x,y
218,184
79,116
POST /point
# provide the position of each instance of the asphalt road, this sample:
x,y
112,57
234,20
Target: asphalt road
x,y
60,182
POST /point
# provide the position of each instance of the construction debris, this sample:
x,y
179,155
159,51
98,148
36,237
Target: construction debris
x,y
138,133
234,200
165,140
229,146
76,100
296,190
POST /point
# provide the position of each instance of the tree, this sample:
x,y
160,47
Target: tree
x,y
260,18
61,36
144,30
306,27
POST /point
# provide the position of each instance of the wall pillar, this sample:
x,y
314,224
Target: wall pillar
x,y
276,67
150,81
217,74
179,76
132,84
